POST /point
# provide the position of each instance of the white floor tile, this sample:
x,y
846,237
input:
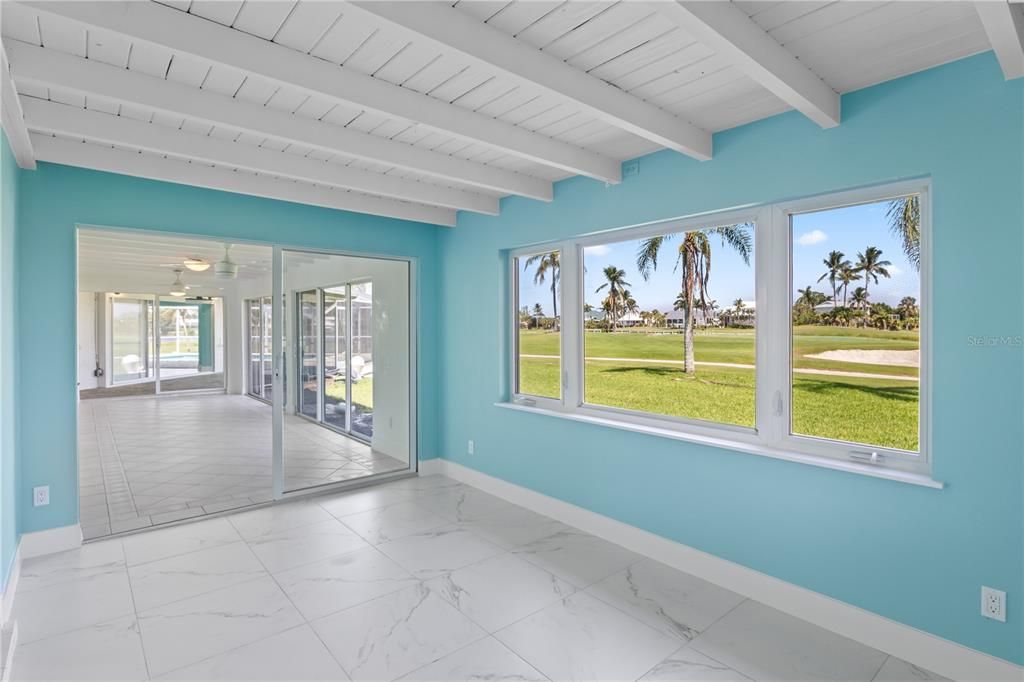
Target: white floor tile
x,y
296,654
687,665
434,552
166,542
486,659
72,605
393,522
186,575
577,557
582,638
500,591
305,544
105,651
84,562
395,634
897,670
324,587
364,500
184,632
766,644
675,602
266,521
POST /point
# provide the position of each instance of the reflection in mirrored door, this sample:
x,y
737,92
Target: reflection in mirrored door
x,y
348,336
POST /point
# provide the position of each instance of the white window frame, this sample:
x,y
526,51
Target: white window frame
x,y
772,265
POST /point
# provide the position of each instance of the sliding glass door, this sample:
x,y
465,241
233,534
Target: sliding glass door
x,y
260,379
131,335
335,350
308,387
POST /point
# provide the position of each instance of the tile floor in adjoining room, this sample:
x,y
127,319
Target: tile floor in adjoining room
x,y
419,579
144,461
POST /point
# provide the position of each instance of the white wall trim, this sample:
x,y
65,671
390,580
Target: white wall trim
x,y
50,541
8,661
920,648
10,589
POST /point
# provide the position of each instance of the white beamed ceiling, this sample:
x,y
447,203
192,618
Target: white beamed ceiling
x,y
629,45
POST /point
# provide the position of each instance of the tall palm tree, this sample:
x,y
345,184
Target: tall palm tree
x,y
871,265
846,276
615,282
808,297
547,263
834,265
904,216
694,255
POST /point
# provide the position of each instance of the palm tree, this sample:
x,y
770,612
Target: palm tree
x,y
834,265
870,263
904,216
859,298
615,282
907,307
694,254
846,276
808,297
547,262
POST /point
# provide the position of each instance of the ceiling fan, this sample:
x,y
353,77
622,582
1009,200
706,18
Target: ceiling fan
x,y
226,268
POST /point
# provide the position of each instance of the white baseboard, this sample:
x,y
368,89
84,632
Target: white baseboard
x,y
915,646
10,589
50,541
8,655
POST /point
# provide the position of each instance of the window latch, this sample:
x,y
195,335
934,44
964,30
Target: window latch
x,y
867,456
778,403
529,402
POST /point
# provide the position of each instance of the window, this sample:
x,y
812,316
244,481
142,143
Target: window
x,y
669,324
538,339
811,347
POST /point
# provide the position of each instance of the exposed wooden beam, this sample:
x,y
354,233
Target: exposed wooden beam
x,y
452,30
181,32
39,66
51,117
71,153
12,118
1004,24
726,29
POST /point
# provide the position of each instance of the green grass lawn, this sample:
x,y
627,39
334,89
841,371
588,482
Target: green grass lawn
x,y
362,391
880,412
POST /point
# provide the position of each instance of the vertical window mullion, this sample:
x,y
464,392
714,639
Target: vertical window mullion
x,y
572,325
773,342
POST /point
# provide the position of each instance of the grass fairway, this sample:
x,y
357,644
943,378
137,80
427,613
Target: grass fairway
x,y
876,411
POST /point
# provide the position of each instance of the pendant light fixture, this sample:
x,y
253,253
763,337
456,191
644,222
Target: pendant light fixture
x,y
196,264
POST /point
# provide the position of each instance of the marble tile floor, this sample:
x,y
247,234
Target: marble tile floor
x,y
145,461
418,579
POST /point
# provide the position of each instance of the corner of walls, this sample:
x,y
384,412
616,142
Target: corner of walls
x,y
10,175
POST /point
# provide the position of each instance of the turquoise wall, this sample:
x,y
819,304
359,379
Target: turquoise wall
x,y
9,177
54,198
913,554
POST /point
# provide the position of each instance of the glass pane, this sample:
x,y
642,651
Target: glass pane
x,y
268,349
856,324
361,366
190,356
352,312
309,326
335,352
131,339
255,311
669,324
539,345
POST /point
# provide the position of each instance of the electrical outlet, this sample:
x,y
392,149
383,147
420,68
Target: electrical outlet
x,y
41,496
470,447
993,604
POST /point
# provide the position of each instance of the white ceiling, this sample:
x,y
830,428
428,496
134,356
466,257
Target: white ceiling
x,y
303,140
139,262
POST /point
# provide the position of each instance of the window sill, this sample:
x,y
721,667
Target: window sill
x,y
908,477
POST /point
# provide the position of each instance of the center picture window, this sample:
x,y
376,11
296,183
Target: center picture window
x,y
670,322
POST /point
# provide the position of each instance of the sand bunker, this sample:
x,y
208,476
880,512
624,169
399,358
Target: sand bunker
x,y
903,358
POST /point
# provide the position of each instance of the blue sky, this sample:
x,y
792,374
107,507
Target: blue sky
x,y
850,230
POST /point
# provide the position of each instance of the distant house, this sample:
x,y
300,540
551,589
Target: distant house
x,y
675,319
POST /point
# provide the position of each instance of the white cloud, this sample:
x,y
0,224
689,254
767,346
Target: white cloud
x,y
599,250
812,237
894,271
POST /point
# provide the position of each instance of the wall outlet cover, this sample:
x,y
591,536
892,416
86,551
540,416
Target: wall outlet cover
x,y
993,604
41,496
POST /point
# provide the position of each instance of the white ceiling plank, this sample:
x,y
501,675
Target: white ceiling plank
x,y
307,23
493,49
181,32
102,158
31,64
13,118
728,30
263,19
1004,24
49,117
